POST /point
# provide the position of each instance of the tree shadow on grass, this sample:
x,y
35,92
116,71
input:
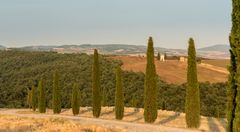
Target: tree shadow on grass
x,y
170,118
132,113
64,110
213,127
107,112
86,110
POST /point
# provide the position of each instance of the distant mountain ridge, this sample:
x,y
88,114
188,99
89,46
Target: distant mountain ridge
x,y
212,52
218,47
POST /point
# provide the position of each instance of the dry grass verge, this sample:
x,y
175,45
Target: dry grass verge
x,y
9,123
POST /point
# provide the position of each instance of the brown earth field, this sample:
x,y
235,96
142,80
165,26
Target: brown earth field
x,y
24,120
219,63
174,71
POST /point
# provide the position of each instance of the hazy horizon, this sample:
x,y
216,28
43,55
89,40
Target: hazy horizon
x,y
61,22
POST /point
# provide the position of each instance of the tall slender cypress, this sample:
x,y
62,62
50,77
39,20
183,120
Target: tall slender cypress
x,y
56,94
192,104
96,92
75,99
233,114
29,97
150,89
41,97
34,98
119,96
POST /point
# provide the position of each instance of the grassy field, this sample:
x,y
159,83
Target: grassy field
x,y
173,71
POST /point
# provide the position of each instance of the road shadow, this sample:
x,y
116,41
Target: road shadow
x,y
86,110
223,123
213,127
108,112
64,110
132,113
170,118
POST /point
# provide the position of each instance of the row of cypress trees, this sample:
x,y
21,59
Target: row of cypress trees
x,y
40,97
192,108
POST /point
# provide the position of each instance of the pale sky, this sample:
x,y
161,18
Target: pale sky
x,y
169,22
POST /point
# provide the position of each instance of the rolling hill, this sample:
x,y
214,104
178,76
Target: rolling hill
x,y
173,71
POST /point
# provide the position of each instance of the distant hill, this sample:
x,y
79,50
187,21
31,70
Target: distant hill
x,y
212,52
2,47
219,47
37,48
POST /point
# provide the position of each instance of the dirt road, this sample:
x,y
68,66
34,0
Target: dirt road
x,y
134,127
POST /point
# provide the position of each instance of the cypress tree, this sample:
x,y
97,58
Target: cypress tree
x,y
29,97
104,97
163,105
233,114
158,56
34,98
165,56
150,89
75,99
192,103
231,93
56,94
41,97
96,92
119,96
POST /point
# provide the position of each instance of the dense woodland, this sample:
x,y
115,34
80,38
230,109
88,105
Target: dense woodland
x,y
19,70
